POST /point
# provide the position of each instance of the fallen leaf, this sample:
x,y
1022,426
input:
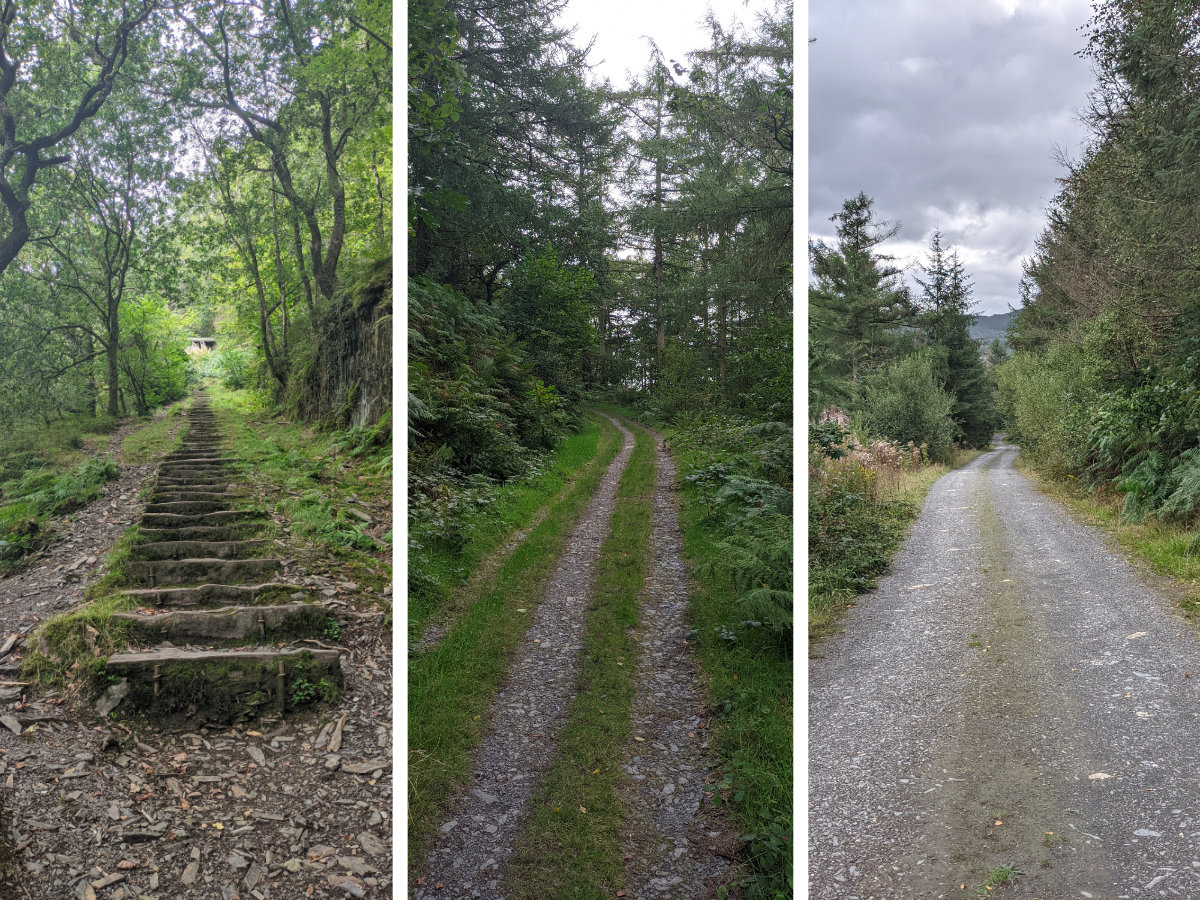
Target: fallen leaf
x,y
218,826
583,809
126,864
439,885
639,739
1099,776
620,893
595,771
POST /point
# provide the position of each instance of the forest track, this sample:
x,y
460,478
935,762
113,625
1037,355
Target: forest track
x,y
669,843
525,716
1013,694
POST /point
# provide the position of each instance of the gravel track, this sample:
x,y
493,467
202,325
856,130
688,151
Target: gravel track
x,y
526,714
1013,693
670,841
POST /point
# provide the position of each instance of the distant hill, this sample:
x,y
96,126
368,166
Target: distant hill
x,y
988,328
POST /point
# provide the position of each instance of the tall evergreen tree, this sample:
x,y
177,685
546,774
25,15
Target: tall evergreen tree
x,y
858,302
945,317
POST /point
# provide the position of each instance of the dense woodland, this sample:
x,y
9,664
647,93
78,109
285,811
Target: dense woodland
x,y
1103,384
573,242
215,168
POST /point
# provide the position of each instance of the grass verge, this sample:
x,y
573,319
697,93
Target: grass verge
x,y
862,527
156,439
570,845
750,689
333,488
450,687
446,570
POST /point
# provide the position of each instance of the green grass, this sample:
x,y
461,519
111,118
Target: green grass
x,y
155,440
571,842
28,503
451,686
514,506
308,475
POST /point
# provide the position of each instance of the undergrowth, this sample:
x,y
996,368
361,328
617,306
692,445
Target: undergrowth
x,y
736,518
332,487
29,500
455,523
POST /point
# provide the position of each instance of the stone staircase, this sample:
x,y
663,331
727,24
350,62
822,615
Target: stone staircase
x,y
205,588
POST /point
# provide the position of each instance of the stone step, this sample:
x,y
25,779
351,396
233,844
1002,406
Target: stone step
x,y
222,685
230,623
198,533
184,549
206,594
201,478
225,498
200,571
197,458
189,507
180,520
197,487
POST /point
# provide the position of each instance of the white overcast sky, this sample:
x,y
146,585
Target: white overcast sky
x,y
948,113
675,25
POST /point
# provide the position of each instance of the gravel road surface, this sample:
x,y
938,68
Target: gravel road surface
x,y
1012,695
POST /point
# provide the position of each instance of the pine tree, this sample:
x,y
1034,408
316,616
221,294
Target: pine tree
x,y
858,302
945,304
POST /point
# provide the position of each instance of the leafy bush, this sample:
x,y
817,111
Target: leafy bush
x,y
904,403
39,494
851,534
1047,398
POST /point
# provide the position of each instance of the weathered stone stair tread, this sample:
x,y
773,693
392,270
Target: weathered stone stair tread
x,y
227,622
174,520
174,654
183,549
212,593
160,497
190,481
201,571
198,533
184,507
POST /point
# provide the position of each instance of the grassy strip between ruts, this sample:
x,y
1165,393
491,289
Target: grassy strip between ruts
x,y
515,506
570,843
451,686
889,516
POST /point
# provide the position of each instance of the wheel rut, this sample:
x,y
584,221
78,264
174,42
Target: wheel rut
x,y
670,840
525,716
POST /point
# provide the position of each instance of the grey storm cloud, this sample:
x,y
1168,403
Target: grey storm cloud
x,y
949,113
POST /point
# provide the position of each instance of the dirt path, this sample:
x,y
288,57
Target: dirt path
x,y
1013,694
670,842
525,716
